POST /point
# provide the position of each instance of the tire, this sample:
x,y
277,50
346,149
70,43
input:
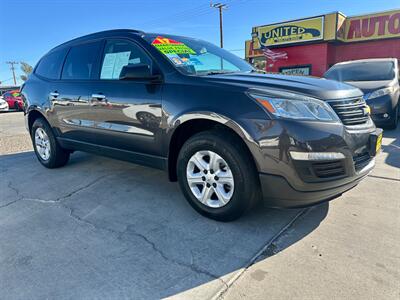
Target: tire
x,y
395,117
57,156
244,190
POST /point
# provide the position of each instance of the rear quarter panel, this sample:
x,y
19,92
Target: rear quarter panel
x,y
35,96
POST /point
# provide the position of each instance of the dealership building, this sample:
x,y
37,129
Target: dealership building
x,y
314,44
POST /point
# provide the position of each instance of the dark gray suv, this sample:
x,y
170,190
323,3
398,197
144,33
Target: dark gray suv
x,y
379,80
229,135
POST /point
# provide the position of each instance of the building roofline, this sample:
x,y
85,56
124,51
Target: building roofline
x,y
328,13
374,13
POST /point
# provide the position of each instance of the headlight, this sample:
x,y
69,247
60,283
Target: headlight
x,y
381,92
294,106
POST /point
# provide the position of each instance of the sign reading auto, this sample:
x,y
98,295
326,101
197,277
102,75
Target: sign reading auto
x,y
383,25
289,32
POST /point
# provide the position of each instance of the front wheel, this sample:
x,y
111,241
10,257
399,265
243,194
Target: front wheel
x,y
217,175
48,151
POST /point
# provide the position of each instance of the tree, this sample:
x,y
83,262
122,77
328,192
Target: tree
x,y
27,69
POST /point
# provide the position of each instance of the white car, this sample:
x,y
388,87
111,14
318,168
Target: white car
x,y
3,104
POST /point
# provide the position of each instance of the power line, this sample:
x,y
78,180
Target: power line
x,y
12,63
182,18
185,14
5,80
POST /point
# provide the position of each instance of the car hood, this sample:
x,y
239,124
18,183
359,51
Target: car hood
x,y
315,87
369,86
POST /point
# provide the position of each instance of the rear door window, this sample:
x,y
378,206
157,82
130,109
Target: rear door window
x,y
82,62
51,64
120,53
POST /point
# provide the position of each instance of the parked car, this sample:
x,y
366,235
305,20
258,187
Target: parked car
x,y
229,135
3,104
14,99
379,79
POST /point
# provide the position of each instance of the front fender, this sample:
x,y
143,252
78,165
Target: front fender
x,y
245,130
175,122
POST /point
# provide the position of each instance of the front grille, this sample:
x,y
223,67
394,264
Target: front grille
x,y
361,160
328,169
350,111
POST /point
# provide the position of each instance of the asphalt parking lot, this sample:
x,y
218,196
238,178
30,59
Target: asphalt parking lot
x,y
101,228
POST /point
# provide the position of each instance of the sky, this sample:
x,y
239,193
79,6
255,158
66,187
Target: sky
x,y
30,28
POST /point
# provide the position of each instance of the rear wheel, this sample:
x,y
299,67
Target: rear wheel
x,y
48,151
217,175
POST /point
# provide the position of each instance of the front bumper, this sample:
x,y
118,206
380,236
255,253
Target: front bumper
x,y
288,182
4,107
382,108
278,192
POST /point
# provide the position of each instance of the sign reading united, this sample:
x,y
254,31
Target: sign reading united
x,y
289,32
170,46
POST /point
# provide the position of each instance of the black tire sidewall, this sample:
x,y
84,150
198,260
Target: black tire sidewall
x,y
53,161
242,174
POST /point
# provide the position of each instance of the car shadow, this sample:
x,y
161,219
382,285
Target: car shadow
x,y
110,229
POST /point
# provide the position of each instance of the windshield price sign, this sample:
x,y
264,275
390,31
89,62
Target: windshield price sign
x,y
170,46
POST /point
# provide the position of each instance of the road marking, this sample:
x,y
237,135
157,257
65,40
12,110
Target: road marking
x,y
383,177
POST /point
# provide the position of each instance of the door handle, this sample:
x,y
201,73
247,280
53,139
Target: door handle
x,y
54,94
99,97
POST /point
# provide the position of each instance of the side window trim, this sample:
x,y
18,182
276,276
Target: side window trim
x,y
99,59
110,39
63,64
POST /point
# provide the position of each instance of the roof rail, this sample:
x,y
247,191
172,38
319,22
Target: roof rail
x,y
99,33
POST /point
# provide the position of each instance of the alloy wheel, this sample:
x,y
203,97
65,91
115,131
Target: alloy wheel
x,y
210,179
42,144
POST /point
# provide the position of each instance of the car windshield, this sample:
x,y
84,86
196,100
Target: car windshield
x,y
362,71
196,57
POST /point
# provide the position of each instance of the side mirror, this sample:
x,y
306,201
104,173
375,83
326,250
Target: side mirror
x,y
137,72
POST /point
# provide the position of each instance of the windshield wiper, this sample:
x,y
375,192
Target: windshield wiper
x,y
218,72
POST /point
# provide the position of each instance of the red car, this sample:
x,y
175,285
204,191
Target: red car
x,y
14,100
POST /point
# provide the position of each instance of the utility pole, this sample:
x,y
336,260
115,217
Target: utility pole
x,y
220,6
12,63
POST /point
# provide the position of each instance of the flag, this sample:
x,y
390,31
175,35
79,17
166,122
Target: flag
x,y
274,55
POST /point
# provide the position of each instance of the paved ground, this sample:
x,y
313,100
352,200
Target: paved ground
x,y
100,228
13,134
